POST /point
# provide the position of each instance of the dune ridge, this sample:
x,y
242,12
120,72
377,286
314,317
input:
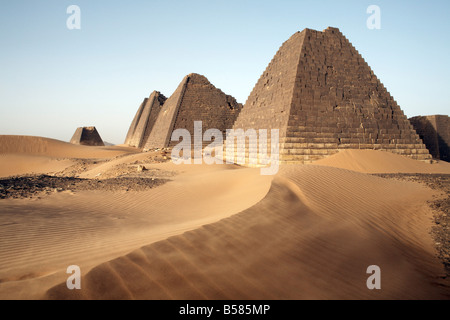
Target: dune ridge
x,y
304,240
40,146
39,239
22,155
374,161
218,232
20,164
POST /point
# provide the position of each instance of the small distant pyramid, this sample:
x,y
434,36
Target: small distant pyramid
x,y
195,99
435,133
87,136
323,97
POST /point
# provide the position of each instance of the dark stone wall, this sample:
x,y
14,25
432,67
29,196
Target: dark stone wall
x,y
443,130
87,136
269,103
435,133
204,102
195,99
162,129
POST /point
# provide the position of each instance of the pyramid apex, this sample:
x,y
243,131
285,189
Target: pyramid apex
x,y
193,74
156,93
197,78
328,30
332,30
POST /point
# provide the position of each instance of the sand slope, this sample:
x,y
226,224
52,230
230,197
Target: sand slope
x,y
219,232
17,164
312,237
20,155
373,161
38,146
39,239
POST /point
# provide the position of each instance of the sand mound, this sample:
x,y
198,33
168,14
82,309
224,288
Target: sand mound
x,y
114,166
40,239
312,237
38,146
17,164
219,232
373,161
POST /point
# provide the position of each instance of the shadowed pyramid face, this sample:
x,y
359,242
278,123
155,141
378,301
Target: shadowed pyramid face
x,y
435,132
87,136
145,119
323,97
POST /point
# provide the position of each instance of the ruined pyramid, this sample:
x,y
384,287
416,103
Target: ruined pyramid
x,y
87,136
323,97
435,133
195,99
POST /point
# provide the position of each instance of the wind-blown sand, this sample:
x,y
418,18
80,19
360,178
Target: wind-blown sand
x,y
372,161
226,232
41,238
312,237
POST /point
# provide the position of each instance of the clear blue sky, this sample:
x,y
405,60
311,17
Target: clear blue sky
x,y
53,79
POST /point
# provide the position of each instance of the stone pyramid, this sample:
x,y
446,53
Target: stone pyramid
x,y
435,133
87,136
144,120
195,99
323,97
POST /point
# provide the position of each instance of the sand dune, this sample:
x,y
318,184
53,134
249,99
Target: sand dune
x,y
39,239
107,169
312,237
38,146
373,161
21,155
20,164
219,232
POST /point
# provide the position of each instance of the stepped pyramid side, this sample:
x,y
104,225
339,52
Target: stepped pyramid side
x,y
87,136
145,120
202,101
435,133
195,99
162,129
269,103
336,102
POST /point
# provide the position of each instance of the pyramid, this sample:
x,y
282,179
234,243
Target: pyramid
x,y
323,97
195,99
435,133
87,136
144,120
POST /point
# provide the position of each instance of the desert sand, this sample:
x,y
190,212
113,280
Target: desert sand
x,y
218,232
371,161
